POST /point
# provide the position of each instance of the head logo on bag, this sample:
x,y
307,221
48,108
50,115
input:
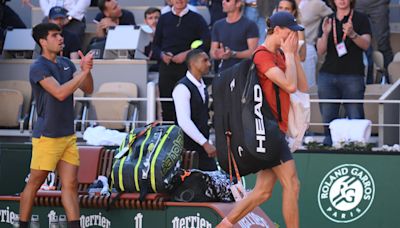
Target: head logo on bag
x,y
259,120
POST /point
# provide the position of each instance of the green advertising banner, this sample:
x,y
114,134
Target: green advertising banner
x,y
343,190
89,217
177,216
338,189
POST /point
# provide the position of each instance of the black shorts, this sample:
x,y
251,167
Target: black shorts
x,y
285,155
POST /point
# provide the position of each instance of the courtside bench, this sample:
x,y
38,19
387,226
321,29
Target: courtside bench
x,y
155,211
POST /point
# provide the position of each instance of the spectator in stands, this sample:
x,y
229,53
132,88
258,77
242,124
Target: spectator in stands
x,y
54,80
175,33
378,13
168,6
76,22
234,37
258,11
151,16
191,99
72,44
291,7
312,12
111,15
8,19
277,62
343,36
215,10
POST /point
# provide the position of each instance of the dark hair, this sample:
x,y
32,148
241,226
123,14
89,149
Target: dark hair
x,y
192,55
151,10
41,31
294,7
102,4
270,29
333,6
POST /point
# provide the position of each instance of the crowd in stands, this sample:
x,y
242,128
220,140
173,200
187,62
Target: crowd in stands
x,y
235,29
233,38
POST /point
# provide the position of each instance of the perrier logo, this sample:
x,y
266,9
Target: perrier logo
x,y
346,193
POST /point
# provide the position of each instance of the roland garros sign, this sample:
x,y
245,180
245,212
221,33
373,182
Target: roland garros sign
x,y
346,193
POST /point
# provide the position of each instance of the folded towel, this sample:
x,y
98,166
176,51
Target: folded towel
x,y
104,191
100,136
350,130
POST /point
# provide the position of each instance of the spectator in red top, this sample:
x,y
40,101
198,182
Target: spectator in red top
x,y
277,62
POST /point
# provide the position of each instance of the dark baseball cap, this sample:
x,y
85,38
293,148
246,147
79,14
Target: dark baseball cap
x,y
57,12
285,19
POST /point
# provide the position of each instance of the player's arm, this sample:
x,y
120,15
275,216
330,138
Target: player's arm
x,y
61,92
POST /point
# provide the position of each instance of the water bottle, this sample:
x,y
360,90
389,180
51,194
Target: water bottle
x,y
384,79
62,221
54,222
16,221
35,221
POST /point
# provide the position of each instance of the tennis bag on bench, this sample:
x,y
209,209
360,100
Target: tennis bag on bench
x,y
241,109
148,160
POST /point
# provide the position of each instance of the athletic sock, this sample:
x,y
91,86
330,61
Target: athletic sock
x,y
23,224
74,224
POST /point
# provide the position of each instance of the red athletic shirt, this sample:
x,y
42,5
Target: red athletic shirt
x,y
265,60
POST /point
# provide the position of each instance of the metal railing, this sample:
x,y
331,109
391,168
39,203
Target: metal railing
x,y
388,112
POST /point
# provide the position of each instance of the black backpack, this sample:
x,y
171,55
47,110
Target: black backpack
x,y
202,186
148,159
244,122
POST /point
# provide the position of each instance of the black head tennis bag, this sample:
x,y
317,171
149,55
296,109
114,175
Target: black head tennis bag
x,y
148,159
241,109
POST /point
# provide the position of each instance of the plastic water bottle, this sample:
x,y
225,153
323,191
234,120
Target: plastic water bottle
x,y
16,221
54,222
35,221
63,221
383,80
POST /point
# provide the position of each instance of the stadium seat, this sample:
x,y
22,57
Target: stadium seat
x,y
396,57
26,90
11,102
128,88
394,71
111,114
373,92
379,65
120,89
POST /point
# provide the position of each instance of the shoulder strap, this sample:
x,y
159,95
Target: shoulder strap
x,y
276,87
254,54
278,102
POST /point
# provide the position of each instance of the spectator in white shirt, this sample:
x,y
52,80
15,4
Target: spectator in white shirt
x,y
191,105
76,13
168,6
